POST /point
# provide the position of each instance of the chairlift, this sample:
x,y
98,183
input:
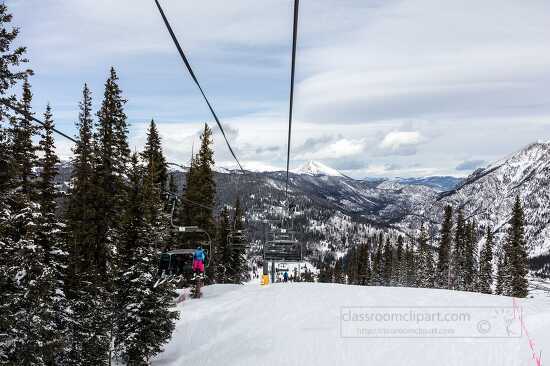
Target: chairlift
x,y
238,239
179,261
283,247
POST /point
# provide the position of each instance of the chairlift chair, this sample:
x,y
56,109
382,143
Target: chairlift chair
x,y
283,247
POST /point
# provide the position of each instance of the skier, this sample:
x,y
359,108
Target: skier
x,y
198,261
285,276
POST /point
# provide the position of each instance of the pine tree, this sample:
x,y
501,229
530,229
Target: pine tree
x,y
157,170
378,266
338,276
501,275
50,236
31,338
485,278
112,155
81,208
143,319
23,150
387,266
444,252
201,187
352,266
87,341
425,265
238,256
518,260
470,257
155,181
224,270
11,59
458,261
410,265
363,265
397,262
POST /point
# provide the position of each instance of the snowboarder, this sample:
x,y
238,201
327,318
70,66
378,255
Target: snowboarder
x,y
285,276
198,260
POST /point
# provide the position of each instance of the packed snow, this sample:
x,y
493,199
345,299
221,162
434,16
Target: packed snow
x,y
304,324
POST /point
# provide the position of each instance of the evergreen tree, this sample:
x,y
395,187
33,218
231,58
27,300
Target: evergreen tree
x,y
444,252
485,278
81,208
518,260
363,265
224,258
378,266
201,187
143,319
352,266
501,281
50,237
10,60
325,270
425,265
157,170
238,256
87,341
397,262
458,260
33,336
338,276
111,155
23,150
155,180
470,257
387,266
410,260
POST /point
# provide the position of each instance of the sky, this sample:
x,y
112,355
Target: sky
x,y
383,87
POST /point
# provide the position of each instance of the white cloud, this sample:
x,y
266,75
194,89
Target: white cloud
x,y
397,139
472,76
340,148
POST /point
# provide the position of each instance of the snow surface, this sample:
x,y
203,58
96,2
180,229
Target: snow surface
x,y
299,324
316,168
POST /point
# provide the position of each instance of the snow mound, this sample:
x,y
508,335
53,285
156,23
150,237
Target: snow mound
x,y
300,324
316,168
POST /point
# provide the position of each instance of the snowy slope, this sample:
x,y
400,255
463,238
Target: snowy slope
x,y
299,324
316,168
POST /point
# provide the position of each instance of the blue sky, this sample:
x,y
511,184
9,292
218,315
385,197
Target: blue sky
x,y
384,88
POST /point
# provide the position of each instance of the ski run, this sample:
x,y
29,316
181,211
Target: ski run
x,y
301,324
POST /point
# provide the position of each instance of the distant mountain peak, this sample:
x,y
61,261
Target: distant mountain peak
x,y
316,168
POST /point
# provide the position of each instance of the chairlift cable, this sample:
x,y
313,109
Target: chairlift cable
x,y
291,102
190,70
28,115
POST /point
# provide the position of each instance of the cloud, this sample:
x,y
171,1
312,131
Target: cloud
x,y
347,164
268,149
364,69
401,142
329,147
469,165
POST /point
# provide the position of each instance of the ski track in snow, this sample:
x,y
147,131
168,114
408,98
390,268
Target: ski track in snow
x,y
298,324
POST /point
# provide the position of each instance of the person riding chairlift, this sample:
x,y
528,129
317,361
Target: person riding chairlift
x,y
198,260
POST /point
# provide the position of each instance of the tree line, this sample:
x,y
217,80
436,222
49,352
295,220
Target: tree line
x,y
78,271
453,262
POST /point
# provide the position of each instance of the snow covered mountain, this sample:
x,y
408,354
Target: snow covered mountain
x,y
488,196
316,168
330,206
439,183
